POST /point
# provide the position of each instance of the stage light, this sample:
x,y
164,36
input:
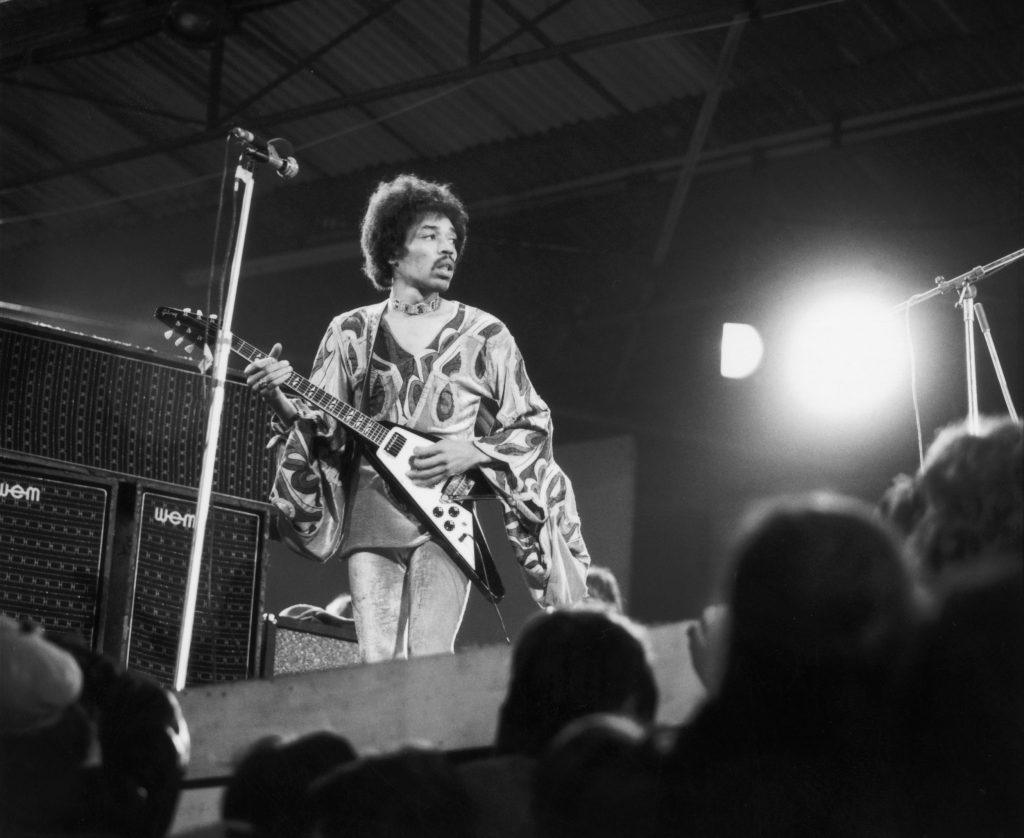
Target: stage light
x,y
197,23
742,350
844,357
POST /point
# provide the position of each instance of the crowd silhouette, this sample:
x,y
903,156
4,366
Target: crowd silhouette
x,y
85,748
864,675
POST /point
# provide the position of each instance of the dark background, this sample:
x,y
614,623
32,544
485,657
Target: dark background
x,y
879,141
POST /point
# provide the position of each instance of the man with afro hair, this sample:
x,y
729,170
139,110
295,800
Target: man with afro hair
x,y
441,368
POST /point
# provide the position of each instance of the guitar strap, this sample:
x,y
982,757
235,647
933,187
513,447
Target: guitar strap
x,y
363,398
372,331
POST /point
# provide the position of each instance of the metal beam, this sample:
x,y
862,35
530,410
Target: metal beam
x,y
574,66
508,39
268,42
750,153
15,130
308,60
784,145
697,139
679,193
672,26
65,30
100,101
127,119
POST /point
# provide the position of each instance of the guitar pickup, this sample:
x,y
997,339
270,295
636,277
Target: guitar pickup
x,y
395,444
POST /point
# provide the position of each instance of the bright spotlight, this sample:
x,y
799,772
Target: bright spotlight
x,y
845,356
742,350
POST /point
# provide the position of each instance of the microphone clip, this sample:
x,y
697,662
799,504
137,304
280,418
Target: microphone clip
x,y
276,152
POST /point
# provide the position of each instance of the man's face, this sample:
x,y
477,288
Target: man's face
x,y
428,261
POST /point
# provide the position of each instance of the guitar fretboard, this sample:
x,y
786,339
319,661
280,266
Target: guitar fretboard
x,y
369,429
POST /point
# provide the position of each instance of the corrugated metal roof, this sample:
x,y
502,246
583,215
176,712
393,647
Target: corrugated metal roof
x,y
884,134
359,85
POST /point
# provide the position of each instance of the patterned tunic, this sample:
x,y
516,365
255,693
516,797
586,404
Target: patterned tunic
x,y
469,383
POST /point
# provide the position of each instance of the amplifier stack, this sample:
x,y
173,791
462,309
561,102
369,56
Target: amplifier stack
x,y
99,460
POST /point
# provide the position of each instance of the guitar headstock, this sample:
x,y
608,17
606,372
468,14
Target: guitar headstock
x,y
193,329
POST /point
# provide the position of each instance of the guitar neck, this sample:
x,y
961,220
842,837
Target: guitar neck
x,y
356,421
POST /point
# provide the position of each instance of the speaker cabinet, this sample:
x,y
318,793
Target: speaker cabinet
x,y
306,646
99,404
153,556
56,531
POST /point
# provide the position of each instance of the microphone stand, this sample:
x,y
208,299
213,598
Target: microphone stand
x,y
222,351
965,286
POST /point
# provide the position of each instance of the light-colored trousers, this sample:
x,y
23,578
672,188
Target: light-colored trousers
x,y
406,603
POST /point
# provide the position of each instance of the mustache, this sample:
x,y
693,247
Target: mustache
x,y
445,262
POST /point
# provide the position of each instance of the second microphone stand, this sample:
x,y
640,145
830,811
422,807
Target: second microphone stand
x,y
973,312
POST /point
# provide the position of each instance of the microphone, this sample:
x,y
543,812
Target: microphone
x,y
267,151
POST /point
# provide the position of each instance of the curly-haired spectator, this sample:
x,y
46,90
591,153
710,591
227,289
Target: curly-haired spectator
x,y
961,732
969,498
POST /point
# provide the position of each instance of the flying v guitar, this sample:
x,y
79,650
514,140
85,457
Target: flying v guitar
x,y
445,510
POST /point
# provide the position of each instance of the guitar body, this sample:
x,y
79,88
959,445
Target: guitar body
x,y
451,520
447,514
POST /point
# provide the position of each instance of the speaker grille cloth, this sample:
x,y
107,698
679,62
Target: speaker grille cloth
x,y
228,590
52,542
101,409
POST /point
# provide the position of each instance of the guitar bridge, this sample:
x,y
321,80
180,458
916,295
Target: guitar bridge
x,y
458,489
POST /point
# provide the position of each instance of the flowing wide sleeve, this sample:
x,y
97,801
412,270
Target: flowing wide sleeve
x,y
309,486
541,519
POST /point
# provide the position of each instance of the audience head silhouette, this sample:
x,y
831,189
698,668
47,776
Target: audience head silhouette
x,y
796,737
38,679
102,751
411,791
597,779
603,589
961,733
264,797
820,599
571,663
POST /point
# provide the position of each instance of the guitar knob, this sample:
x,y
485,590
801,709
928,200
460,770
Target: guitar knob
x,y
438,511
454,511
449,525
